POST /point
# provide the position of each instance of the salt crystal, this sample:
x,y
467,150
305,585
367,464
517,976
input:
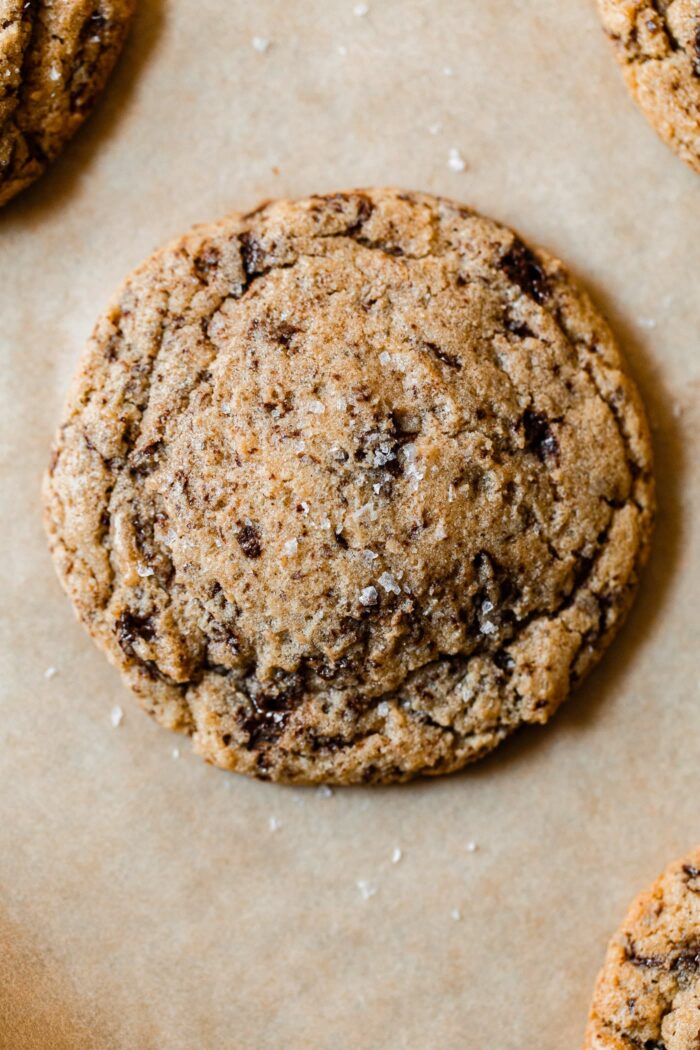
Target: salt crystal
x,y
317,407
116,716
304,506
377,488
261,44
451,494
383,709
396,856
290,547
447,71
54,74
341,404
360,10
389,584
368,596
369,555
440,531
143,570
367,889
341,49
472,847
274,824
326,524
455,160
385,358
488,627
456,914
486,606
176,752
226,409
50,672
324,791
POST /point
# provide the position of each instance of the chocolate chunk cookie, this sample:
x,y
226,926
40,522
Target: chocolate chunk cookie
x,y
351,487
55,56
658,45
648,993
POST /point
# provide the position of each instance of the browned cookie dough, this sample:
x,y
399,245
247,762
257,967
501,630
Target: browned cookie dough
x,y
648,993
351,487
658,45
55,56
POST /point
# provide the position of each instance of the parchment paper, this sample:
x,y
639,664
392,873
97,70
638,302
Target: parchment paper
x,y
145,902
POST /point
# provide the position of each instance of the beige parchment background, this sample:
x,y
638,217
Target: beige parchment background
x,y
145,904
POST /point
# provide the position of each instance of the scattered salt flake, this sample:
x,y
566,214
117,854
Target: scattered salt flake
x,y
324,791
304,506
440,531
116,716
387,581
360,10
396,855
369,596
385,358
226,409
368,509
176,752
54,74
451,494
447,71
367,889
369,556
435,128
143,570
472,847
341,49
455,160
291,547
341,404
377,488
300,446
383,709
487,606
325,524
274,824
317,407
261,44
488,627
50,672
456,914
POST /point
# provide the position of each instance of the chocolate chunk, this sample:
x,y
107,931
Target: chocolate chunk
x,y
538,435
130,627
523,269
249,541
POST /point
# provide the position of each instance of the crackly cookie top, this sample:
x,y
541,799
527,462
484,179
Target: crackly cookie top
x,y
648,993
658,45
55,56
350,487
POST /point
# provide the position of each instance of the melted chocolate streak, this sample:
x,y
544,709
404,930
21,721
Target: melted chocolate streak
x,y
267,721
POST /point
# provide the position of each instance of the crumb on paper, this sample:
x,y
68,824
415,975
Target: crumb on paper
x,y
50,672
274,824
367,889
261,44
455,160
324,791
396,855
456,914
116,716
472,847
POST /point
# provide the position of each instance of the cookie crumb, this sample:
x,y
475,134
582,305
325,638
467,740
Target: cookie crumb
x,y
116,716
455,160
50,672
367,889
261,44
396,855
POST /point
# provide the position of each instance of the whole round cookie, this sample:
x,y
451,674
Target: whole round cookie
x,y
658,45
351,487
648,993
55,56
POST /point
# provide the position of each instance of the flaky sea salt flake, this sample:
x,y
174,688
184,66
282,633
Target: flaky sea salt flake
x,y
261,44
396,855
368,596
387,581
116,716
455,160
367,889
50,672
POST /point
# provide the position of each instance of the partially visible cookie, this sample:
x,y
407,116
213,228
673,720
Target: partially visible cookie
x,y
658,45
648,993
55,56
351,487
